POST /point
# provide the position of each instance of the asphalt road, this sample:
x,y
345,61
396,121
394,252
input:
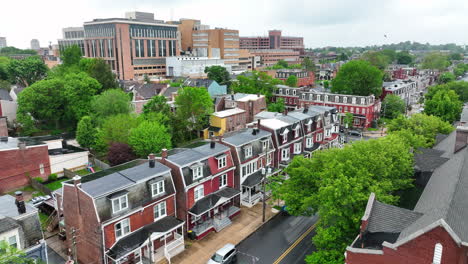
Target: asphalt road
x,y
284,239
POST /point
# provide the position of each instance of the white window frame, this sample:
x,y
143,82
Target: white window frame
x,y
363,101
438,250
309,142
297,148
161,209
327,132
296,131
285,153
248,151
319,137
268,158
197,172
345,100
250,168
353,100
122,228
199,192
222,162
157,188
285,135
41,168
120,200
265,145
363,111
223,180
294,92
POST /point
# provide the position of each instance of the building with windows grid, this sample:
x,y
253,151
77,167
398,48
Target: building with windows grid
x,y
72,36
133,46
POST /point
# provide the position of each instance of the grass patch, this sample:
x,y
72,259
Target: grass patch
x,y
56,184
43,219
372,129
85,172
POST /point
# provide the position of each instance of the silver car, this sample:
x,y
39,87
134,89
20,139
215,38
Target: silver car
x,y
225,255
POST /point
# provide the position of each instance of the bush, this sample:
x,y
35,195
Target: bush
x,y
38,179
120,153
52,177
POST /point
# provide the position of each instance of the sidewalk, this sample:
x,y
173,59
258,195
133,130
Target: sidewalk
x,y
199,252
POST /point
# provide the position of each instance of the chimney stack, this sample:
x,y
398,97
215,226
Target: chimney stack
x,y
164,154
285,112
212,143
77,180
20,202
461,138
152,160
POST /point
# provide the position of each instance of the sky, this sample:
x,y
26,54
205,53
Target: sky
x,y
322,23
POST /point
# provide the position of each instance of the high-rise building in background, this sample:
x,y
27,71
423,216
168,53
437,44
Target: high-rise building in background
x,y
3,42
133,46
35,44
72,36
274,40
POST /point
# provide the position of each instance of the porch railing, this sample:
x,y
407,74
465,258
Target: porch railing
x,y
200,228
170,250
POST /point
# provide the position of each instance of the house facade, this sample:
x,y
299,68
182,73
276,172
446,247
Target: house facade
x,y
225,121
125,214
252,104
405,89
207,199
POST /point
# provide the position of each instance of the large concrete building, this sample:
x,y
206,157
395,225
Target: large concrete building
x,y
274,40
72,36
35,44
269,57
190,66
3,42
134,46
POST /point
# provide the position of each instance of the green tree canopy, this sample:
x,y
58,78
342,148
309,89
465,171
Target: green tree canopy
x,y
157,104
291,81
376,59
194,105
27,71
308,64
115,129
109,103
218,74
71,56
4,61
12,255
436,61
358,78
101,71
446,77
86,132
421,124
342,57
444,104
456,56
277,106
256,83
404,57
79,90
390,54
393,106
149,137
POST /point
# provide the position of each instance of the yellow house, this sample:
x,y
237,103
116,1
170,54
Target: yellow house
x,y
225,121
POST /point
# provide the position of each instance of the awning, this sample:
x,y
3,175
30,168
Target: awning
x,y
253,179
213,200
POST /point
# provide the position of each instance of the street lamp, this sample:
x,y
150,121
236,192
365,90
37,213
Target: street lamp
x,y
265,172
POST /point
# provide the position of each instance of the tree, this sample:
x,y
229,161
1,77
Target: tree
x,y
436,61
120,153
101,71
444,104
27,71
393,106
109,103
117,128
376,59
194,105
12,255
218,74
157,104
348,120
79,90
358,78
277,106
4,61
291,81
404,57
446,77
342,57
326,84
149,137
71,56
390,54
460,87
86,132
455,56
282,64
308,64
421,124
257,83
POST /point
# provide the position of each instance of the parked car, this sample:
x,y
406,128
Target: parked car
x,y
225,255
354,133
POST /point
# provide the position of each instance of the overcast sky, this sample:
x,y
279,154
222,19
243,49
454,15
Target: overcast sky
x,y
320,22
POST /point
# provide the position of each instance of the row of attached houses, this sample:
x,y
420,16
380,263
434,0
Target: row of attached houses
x,y
140,211
365,109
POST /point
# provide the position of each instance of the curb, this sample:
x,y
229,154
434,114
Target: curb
x,y
260,226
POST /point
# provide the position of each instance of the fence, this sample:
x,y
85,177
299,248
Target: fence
x,y
41,187
68,173
99,163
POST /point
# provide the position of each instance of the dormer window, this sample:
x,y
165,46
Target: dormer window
x,y
303,96
345,100
119,203
294,92
318,97
248,151
354,100
337,99
296,131
264,144
197,171
363,101
285,135
157,188
222,162
280,91
309,125
287,91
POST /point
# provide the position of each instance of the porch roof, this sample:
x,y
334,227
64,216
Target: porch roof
x,y
136,239
253,179
205,204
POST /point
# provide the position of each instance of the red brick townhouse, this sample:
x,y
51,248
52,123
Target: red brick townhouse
x,y
20,160
252,150
290,95
206,195
125,214
435,231
304,77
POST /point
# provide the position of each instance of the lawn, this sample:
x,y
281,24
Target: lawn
x,y
56,184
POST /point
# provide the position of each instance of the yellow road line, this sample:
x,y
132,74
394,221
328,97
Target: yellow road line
x,y
278,260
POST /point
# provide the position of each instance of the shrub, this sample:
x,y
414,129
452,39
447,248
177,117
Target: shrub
x,y
39,179
52,177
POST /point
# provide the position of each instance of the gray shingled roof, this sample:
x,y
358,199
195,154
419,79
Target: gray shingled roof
x,y
245,136
429,159
8,207
390,219
7,224
190,156
5,95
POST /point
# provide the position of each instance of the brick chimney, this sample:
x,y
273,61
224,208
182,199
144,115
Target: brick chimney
x,y
152,160
461,138
20,202
3,126
77,180
212,143
164,154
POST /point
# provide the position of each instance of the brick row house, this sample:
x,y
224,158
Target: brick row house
x,y
125,214
435,230
304,77
365,109
207,198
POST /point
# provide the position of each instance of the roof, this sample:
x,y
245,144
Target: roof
x,y
253,179
274,123
119,177
7,224
8,207
247,97
245,136
229,112
213,199
198,82
12,143
428,159
148,90
390,219
5,95
464,115
188,156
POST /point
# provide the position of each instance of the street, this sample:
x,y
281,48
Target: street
x,y
284,239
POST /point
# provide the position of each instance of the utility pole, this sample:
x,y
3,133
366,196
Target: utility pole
x,y
264,198
75,258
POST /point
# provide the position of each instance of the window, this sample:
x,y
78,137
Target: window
x,y
12,241
122,228
363,111
41,168
197,172
294,92
222,162
159,210
318,97
337,99
287,91
265,145
269,158
327,133
297,148
357,110
296,131
351,109
319,137
199,192
353,101
285,154
363,101
285,135
309,125
119,204
223,180
437,254
308,142
151,46
248,151
139,50
249,168
157,188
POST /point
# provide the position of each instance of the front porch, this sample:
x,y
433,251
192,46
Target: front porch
x,y
252,188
